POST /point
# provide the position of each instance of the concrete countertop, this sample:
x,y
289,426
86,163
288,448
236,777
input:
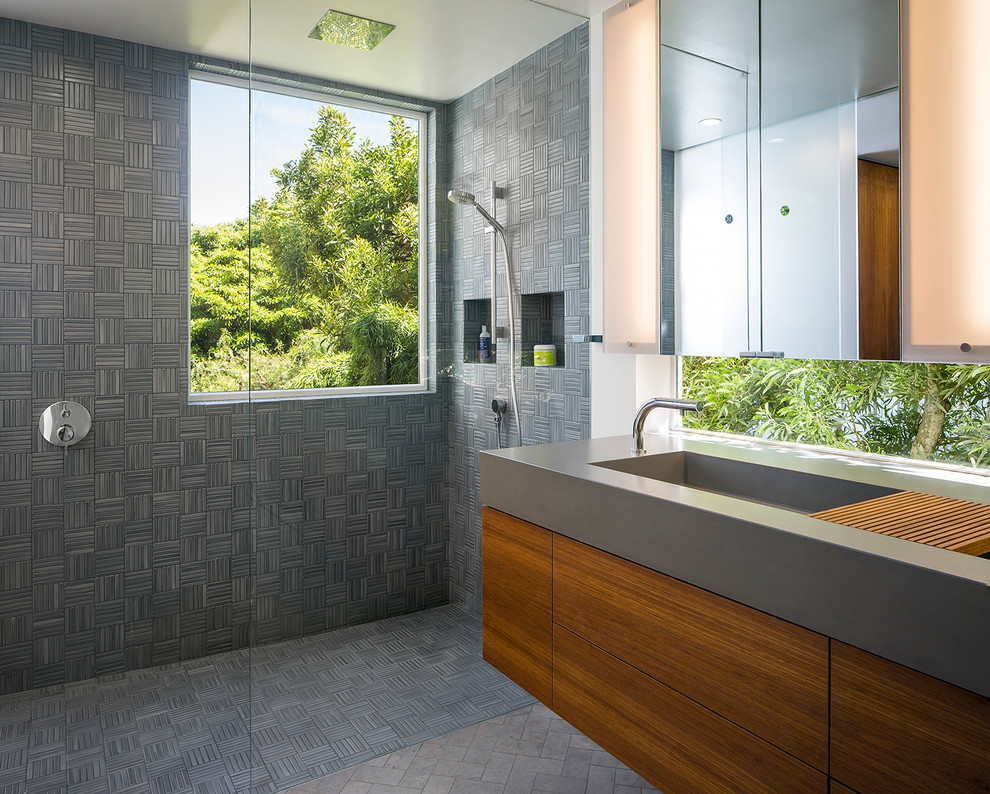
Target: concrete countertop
x,y
920,606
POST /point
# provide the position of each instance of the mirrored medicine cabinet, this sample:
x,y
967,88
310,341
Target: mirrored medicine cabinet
x,y
779,141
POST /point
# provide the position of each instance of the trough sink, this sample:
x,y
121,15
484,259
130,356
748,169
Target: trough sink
x,y
793,490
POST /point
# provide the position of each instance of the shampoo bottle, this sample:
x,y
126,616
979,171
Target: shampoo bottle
x,y
485,346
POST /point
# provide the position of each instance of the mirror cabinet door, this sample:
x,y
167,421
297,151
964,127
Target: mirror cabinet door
x,y
709,93
763,209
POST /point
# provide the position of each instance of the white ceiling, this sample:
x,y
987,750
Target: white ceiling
x,y
803,55
878,127
694,88
439,50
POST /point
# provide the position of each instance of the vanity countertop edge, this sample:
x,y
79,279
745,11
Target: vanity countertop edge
x,y
923,607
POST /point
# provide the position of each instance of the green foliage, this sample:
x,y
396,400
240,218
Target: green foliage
x,y
344,226
235,290
321,288
386,344
870,406
228,366
316,364
351,31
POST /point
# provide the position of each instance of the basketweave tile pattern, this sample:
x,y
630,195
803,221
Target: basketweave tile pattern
x,y
263,719
667,267
134,547
529,750
527,130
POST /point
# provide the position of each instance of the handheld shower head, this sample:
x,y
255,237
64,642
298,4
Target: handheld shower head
x,y
461,197
464,197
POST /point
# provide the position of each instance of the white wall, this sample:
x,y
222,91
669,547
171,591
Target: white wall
x,y
808,265
710,254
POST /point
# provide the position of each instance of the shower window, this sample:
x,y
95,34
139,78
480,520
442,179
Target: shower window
x,y
306,269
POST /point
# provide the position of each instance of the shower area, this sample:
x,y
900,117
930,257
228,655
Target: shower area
x,y
249,588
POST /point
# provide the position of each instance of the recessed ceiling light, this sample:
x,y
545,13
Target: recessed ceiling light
x,y
776,140
348,30
712,122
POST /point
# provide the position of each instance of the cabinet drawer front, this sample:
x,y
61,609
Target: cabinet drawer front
x,y
516,581
764,674
895,729
667,738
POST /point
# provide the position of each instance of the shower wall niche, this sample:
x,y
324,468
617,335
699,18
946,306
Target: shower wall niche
x,y
542,324
477,313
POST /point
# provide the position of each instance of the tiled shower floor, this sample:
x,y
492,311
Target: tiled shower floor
x,y
313,706
528,751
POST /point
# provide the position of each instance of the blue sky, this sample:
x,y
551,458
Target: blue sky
x,y
218,128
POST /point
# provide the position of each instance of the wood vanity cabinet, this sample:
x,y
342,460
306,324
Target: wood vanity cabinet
x,y
691,690
674,742
696,692
516,585
762,673
895,729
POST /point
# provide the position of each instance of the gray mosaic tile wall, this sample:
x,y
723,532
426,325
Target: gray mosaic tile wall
x,y
134,547
140,545
526,129
667,301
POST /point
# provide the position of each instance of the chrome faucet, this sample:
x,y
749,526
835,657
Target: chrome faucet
x,y
673,403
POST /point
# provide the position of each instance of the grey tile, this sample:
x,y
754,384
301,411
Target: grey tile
x,y
96,140
433,766
94,189
187,724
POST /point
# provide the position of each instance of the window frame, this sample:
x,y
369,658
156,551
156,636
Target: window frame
x,y
325,97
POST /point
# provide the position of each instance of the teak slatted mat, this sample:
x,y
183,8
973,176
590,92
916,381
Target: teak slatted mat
x,y
953,524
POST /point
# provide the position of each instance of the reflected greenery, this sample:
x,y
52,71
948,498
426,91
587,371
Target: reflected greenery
x,y
351,31
926,411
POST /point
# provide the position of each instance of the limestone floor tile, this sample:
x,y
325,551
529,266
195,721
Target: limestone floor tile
x,y
530,751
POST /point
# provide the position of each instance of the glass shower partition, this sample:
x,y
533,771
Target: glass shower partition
x,y
217,743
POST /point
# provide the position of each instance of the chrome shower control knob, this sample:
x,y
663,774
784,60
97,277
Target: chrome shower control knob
x,y
56,430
